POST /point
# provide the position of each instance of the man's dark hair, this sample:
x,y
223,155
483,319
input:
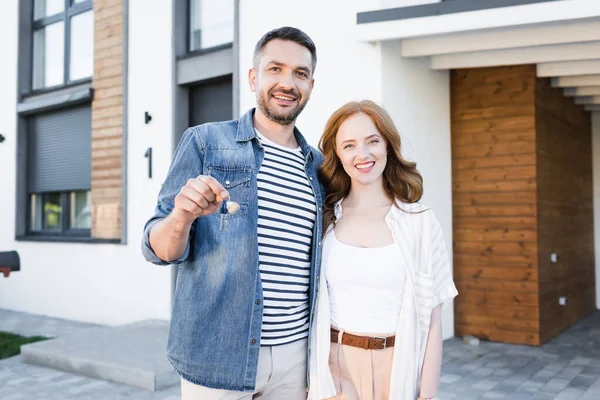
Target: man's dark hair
x,y
289,34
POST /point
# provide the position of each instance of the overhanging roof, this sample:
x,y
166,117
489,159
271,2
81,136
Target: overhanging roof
x,y
405,26
562,37
435,9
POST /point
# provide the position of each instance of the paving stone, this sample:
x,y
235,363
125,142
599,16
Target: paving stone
x,y
569,394
570,372
582,381
486,384
449,378
555,385
493,395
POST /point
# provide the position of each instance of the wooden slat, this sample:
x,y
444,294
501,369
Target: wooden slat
x,y
498,298
495,211
504,186
499,161
499,90
493,150
494,235
495,285
492,112
495,222
495,260
472,77
578,243
489,199
509,274
566,212
502,311
505,126
498,323
519,95
483,138
496,335
560,277
528,249
495,174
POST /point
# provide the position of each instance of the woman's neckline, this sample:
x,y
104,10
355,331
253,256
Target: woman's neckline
x,y
385,246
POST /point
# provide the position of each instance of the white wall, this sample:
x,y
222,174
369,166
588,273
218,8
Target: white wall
x,y
347,69
596,170
418,100
8,124
99,283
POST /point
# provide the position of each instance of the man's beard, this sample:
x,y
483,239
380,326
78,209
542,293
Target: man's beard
x,y
271,113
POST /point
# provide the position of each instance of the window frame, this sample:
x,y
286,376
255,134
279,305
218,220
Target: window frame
x,y
66,209
34,102
188,37
71,9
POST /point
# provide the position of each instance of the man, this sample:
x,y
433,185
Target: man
x,y
246,281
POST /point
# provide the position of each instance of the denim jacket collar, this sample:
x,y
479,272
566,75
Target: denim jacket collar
x,y
245,132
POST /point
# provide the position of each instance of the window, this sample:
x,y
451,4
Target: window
x,y
211,23
48,213
59,172
63,42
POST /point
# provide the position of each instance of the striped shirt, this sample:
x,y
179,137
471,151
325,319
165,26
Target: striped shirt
x,y
286,216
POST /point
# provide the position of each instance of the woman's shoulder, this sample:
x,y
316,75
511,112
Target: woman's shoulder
x,y
418,215
415,210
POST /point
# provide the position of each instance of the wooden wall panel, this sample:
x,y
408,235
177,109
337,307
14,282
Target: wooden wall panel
x,y
565,209
495,203
522,189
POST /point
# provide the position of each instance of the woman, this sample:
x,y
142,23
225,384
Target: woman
x,y
385,272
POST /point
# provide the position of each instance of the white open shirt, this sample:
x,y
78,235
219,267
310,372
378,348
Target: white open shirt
x,y
428,284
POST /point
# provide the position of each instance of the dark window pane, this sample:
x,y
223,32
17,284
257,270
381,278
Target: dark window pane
x,y
211,102
52,212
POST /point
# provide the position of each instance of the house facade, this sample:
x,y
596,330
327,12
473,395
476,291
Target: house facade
x,y
497,101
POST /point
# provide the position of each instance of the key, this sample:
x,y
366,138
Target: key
x,y
232,207
227,207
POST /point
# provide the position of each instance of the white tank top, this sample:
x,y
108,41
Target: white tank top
x,y
365,286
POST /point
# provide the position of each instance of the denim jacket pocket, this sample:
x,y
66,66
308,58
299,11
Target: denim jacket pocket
x,y
236,180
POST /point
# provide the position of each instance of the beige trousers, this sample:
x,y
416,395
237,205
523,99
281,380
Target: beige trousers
x,y
281,375
361,374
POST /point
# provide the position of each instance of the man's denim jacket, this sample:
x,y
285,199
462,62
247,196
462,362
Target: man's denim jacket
x,y
216,320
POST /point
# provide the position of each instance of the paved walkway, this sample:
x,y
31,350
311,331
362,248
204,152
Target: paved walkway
x,y
568,367
20,381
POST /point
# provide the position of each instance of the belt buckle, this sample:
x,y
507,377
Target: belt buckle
x,y
384,338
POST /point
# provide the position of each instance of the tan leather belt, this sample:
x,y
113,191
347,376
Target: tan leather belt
x,y
363,342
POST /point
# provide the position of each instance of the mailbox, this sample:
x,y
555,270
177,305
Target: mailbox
x,y
9,262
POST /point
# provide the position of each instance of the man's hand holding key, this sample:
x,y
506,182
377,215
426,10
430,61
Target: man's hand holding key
x,y
199,197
